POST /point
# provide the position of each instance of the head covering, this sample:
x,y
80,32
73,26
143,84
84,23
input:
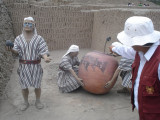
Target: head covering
x,y
138,30
31,18
72,48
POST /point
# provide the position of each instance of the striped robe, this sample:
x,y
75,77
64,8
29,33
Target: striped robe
x,y
66,81
126,72
30,74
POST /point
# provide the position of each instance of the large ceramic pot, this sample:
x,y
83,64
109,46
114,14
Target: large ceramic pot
x,y
96,69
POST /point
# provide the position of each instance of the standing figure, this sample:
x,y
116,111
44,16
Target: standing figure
x,y
142,43
68,70
30,48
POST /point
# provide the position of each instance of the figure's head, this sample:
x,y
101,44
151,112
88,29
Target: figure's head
x,y
73,51
28,24
73,54
138,31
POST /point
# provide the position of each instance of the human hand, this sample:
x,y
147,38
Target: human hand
x,y
114,44
8,48
110,48
47,59
111,52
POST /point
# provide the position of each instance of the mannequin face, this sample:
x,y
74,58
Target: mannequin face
x,y
74,54
28,25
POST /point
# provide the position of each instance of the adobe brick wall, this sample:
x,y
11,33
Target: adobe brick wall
x,y
85,25
109,22
60,26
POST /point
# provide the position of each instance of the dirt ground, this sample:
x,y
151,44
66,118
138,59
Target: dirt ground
x,y
78,105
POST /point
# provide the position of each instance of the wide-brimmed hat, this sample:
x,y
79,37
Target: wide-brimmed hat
x,y
138,30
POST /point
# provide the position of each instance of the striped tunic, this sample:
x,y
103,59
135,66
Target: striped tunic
x,y
66,81
30,74
126,72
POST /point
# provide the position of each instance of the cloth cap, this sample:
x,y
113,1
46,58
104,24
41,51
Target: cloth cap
x,y
72,48
29,18
138,30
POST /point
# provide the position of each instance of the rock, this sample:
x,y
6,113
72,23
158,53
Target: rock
x,y
6,59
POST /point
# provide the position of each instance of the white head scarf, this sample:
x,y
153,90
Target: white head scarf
x,y
31,19
72,48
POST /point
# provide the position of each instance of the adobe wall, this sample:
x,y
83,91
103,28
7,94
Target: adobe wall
x,y
109,22
6,58
60,26
85,25
39,2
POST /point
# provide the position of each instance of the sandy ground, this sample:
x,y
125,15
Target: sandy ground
x,y
78,105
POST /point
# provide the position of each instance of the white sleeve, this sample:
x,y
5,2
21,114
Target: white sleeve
x,y
124,51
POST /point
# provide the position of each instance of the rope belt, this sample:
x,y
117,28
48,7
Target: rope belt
x,y
29,61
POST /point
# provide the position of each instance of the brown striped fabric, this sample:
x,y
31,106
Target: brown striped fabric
x,y
30,75
126,72
66,81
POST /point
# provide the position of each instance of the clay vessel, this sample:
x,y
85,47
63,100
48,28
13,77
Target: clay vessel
x,y
96,69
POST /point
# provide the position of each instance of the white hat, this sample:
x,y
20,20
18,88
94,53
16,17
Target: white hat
x,y
72,48
138,30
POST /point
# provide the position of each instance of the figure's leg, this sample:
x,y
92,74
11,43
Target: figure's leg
x,y
129,89
38,93
25,93
38,103
123,90
126,82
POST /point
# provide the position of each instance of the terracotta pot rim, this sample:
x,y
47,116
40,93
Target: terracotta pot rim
x,y
95,51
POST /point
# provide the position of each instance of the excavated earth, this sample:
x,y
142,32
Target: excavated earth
x,y
78,105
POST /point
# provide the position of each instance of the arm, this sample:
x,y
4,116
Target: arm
x,y
46,58
110,83
43,51
77,61
124,51
67,66
15,52
12,50
77,78
13,47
